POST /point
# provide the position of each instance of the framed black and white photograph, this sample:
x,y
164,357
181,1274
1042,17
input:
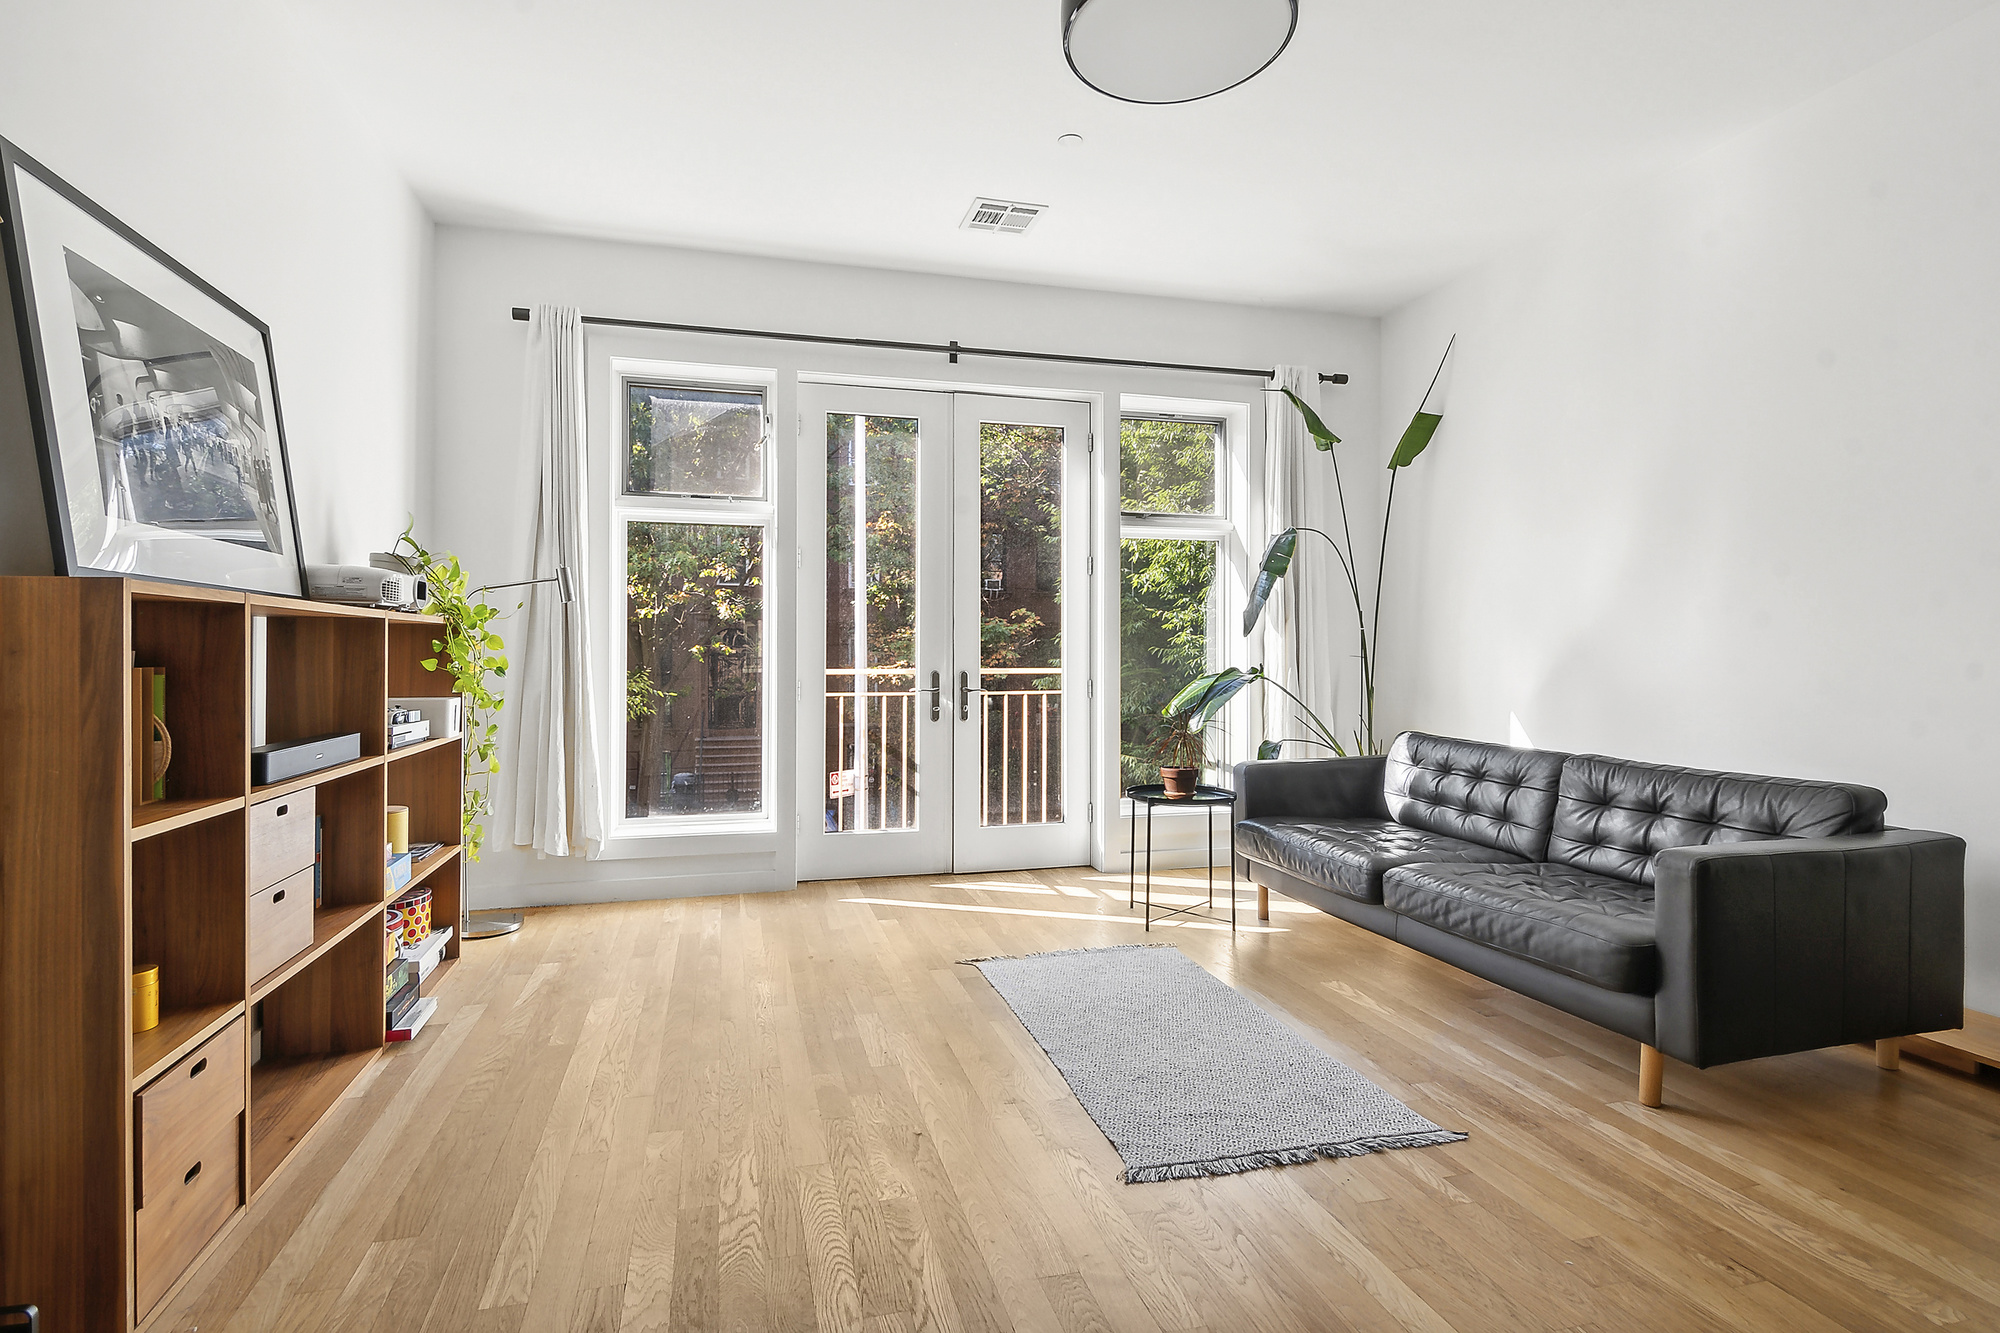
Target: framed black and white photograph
x,y
153,401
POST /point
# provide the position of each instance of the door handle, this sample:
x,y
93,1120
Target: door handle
x,y
966,689
937,694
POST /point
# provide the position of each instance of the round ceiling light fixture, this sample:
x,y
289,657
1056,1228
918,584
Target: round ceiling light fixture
x,y
1164,51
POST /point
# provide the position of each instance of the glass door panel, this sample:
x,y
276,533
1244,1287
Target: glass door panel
x,y
871,620
1021,478
881,777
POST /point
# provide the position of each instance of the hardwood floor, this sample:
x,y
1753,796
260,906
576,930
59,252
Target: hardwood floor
x,y
796,1111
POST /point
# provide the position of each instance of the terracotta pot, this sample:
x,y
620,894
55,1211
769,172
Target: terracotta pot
x,y
1179,782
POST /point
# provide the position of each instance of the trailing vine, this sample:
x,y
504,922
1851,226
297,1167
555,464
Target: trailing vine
x,y
472,652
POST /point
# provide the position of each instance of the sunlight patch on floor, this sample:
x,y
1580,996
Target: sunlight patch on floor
x,y
1066,916
993,886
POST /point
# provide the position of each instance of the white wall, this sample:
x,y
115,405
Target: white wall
x,y
484,481
1716,483
205,128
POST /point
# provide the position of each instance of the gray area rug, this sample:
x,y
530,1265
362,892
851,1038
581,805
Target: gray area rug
x,y
1188,1078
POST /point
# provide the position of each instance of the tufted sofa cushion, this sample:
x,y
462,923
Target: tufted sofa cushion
x,y
1349,855
1612,815
1593,927
1491,794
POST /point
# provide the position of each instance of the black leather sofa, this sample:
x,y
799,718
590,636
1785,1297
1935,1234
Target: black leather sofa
x,y
1710,916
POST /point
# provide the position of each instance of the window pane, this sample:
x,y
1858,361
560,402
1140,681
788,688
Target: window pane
x,y
693,441
1166,623
1168,467
694,654
871,600
1020,622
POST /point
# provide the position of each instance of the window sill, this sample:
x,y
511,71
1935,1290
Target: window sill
x,y
691,837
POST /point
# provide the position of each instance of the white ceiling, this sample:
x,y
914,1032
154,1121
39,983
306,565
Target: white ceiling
x,y
1391,146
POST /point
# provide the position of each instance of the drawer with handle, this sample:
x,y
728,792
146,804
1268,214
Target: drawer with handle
x,y
281,922
281,838
179,1110
200,1189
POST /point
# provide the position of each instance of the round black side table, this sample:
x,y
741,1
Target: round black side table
x,y
1153,794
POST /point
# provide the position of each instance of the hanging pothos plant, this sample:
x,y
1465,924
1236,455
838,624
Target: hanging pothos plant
x,y
473,654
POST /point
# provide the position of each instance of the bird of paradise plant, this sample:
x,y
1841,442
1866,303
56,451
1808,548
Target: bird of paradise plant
x,y
1199,701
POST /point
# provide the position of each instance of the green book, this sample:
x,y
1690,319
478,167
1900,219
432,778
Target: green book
x,y
159,709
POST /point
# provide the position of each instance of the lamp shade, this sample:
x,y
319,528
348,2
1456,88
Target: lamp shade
x,y
1161,51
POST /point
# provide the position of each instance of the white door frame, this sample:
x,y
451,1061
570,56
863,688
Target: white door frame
x,y
948,835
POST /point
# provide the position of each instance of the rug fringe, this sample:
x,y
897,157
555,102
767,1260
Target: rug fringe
x,y
1229,1166
1058,953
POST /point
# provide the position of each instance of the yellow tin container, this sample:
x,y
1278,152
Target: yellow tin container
x,y
399,829
146,997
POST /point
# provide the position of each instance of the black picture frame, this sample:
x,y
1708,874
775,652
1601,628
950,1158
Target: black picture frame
x,y
238,525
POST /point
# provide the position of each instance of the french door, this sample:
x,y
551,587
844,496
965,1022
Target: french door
x,y
952,645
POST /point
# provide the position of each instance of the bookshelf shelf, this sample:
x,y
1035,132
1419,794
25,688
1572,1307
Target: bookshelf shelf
x,y
165,816
289,1098
331,925
422,747
101,885
180,1031
271,790
422,869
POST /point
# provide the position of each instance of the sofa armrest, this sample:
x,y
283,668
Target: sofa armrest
x,y
1312,788
1793,944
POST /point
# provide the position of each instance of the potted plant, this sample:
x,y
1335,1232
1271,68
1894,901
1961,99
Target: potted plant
x,y
1200,700
472,654
1182,749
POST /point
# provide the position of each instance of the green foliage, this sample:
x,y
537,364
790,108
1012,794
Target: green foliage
x,y
1166,595
1167,466
473,654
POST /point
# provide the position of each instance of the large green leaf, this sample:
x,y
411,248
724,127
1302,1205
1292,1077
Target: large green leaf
x,y
1277,559
1322,437
1270,749
1200,700
1422,426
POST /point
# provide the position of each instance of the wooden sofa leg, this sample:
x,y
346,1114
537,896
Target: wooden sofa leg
x,y
1652,1072
1889,1053
1263,903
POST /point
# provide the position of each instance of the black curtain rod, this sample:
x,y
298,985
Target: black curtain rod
x,y
951,349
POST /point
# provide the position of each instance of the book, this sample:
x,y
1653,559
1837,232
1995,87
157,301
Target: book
x,y
427,953
413,1022
420,850
399,1005
149,701
157,702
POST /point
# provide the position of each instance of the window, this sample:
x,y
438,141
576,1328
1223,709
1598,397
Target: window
x,y
1172,532
692,518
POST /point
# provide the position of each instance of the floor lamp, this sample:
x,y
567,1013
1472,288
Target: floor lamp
x,y
489,925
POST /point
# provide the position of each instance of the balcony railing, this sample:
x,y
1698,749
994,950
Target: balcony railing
x,y
872,760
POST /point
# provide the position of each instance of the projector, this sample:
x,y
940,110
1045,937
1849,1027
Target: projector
x,y
363,585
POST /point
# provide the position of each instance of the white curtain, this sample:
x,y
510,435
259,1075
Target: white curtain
x,y
1307,634
558,809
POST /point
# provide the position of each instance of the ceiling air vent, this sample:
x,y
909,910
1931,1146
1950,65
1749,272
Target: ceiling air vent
x,y
1001,215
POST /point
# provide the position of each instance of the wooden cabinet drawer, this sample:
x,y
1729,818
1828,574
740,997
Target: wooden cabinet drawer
x,y
281,922
203,1186
179,1110
281,838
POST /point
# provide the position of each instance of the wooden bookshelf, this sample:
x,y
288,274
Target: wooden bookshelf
x,y
98,882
